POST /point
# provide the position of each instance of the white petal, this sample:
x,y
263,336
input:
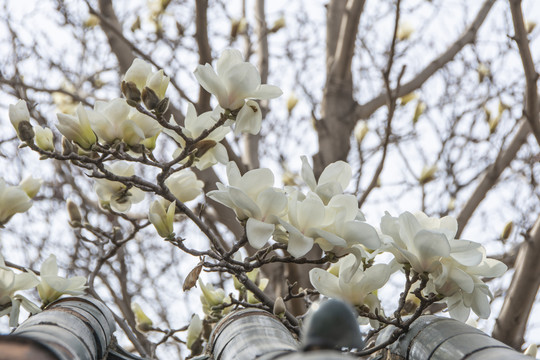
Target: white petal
x,y
430,244
307,174
462,279
255,181
265,92
331,238
228,59
325,283
467,253
310,213
244,202
355,232
272,202
258,232
209,80
338,171
375,277
249,118
408,227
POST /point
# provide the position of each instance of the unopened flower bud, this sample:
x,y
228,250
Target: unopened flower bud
x,y
507,231
26,131
427,174
130,91
419,110
203,146
144,323
278,24
74,213
162,106
279,307
18,113
150,98
483,72
529,26
67,146
408,98
44,138
360,131
291,102
405,30
91,21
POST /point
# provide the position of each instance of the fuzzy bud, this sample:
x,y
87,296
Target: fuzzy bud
x,y
150,98
279,307
130,91
26,131
74,213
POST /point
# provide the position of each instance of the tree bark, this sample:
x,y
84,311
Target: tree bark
x,y
511,325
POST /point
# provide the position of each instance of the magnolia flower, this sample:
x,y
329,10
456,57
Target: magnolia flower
x,y
252,197
333,180
405,30
346,223
144,323
351,282
77,128
184,185
194,127
110,121
212,297
53,286
44,138
306,215
114,193
461,303
149,127
422,241
18,113
140,73
162,218
194,330
13,200
10,282
235,81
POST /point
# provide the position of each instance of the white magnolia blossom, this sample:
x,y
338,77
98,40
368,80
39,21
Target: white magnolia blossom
x,y
140,73
235,81
13,200
455,267
184,185
161,215
345,221
10,283
110,121
18,113
253,198
52,286
114,193
193,127
349,281
77,128
44,138
333,180
150,127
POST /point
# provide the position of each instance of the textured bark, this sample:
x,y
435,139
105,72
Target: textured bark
x,y
205,53
337,107
70,328
511,325
531,76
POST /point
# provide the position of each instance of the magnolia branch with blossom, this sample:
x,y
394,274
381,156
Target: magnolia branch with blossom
x,y
115,140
